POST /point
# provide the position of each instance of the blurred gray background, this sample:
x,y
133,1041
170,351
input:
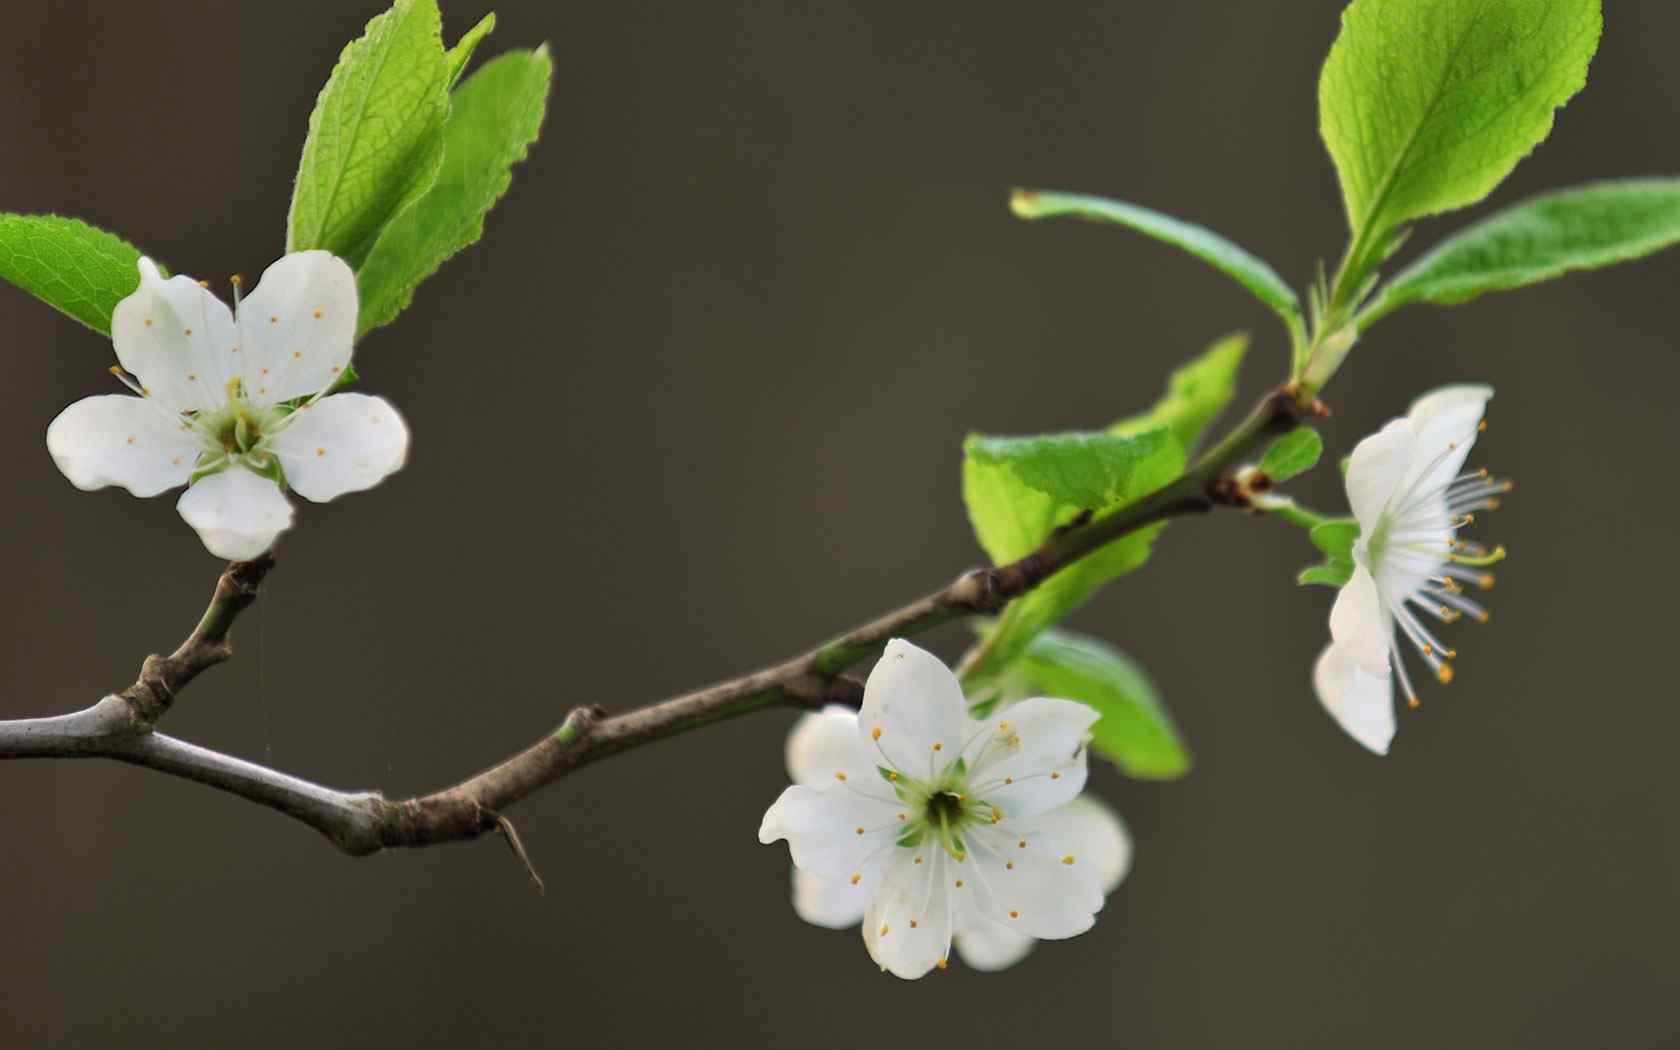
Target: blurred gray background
x,y
697,401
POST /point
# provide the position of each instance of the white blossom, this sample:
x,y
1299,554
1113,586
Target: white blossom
x,y
931,827
1410,494
234,401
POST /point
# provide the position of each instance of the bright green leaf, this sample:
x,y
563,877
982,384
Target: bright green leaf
x,y
375,136
493,119
1091,471
1249,271
1135,731
1425,105
1196,394
1332,573
462,52
1012,518
1575,229
1294,453
1335,539
69,265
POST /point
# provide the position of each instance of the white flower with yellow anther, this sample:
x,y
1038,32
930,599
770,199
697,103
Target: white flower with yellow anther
x,y
1409,493
931,827
234,403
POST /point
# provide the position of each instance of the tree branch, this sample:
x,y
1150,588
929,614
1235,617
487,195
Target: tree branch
x,y
121,726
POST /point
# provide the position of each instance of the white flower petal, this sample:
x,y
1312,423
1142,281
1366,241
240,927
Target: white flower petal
x,y
1360,624
1446,424
825,744
1091,832
177,339
1377,469
114,439
833,832
833,903
913,710
343,443
1035,883
987,946
1361,703
296,327
1031,758
907,928
237,514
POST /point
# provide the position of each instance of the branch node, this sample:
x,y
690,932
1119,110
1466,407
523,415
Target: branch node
x,y
511,834
977,591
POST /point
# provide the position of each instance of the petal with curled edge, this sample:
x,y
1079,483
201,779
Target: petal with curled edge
x,y
833,832
236,513
1361,703
177,339
1359,623
907,929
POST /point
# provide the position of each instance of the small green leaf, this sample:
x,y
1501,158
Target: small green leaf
x,y
493,119
1335,539
1195,396
1249,271
1135,731
1581,228
69,265
1012,518
1086,470
462,52
1330,574
1426,105
1294,453
375,136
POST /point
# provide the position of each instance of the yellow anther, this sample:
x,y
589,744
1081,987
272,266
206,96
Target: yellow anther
x,y
1427,649
1451,654
186,331
1450,615
1055,776
856,879
1485,581
1003,727
1412,702
937,746
1068,860
941,963
236,280
884,929
918,860
901,816
839,776
1483,617
131,439
1481,428
1014,915
1008,865
1022,844
317,315
860,831
297,355
892,776
959,884
1444,673
273,318
148,322
997,814
204,284
875,734
1009,780
912,924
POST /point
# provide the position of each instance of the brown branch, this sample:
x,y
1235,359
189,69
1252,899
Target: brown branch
x,y
121,726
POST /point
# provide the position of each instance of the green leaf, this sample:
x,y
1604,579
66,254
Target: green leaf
x,y
1425,105
1135,731
69,265
1012,518
1545,237
1196,394
1249,271
493,119
1335,539
1084,470
375,136
462,52
1294,453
